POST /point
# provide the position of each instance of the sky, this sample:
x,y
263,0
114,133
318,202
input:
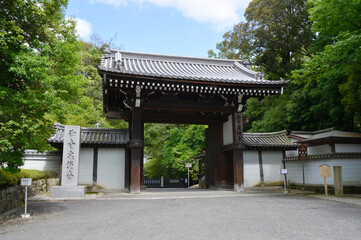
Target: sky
x,y
172,27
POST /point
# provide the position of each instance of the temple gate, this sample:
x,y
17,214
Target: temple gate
x,y
149,88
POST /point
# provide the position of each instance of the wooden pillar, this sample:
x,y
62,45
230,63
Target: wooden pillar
x,y
217,143
213,142
142,159
210,165
238,174
136,149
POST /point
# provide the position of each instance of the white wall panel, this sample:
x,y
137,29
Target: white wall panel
x,y
42,162
111,168
351,169
251,168
326,148
294,172
86,166
292,153
228,131
272,165
348,147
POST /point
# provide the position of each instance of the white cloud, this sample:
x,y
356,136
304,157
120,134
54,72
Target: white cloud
x,y
83,28
220,13
112,2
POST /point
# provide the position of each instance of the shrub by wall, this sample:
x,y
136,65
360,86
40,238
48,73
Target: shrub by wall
x,y
12,195
13,179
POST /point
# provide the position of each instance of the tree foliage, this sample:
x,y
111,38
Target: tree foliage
x,y
39,57
276,37
332,77
169,147
47,75
87,109
314,43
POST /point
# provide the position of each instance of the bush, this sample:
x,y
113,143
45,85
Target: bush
x,y
8,179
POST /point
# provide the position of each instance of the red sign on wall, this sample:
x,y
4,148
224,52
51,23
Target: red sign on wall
x,y
302,152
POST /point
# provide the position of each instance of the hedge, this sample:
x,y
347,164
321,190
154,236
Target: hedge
x,y
12,179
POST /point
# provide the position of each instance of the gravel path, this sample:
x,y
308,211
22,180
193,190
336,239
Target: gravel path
x,y
188,214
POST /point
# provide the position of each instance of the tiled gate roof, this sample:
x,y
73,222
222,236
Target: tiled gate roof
x,y
178,67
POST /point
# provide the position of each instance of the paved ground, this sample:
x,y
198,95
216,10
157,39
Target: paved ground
x,y
189,214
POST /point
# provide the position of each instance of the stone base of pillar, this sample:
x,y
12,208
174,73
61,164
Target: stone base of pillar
x,y
238,188
221,187
135,190
68,191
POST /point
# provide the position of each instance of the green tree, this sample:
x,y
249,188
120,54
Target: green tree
x,y
39,58
323,67
276,37
332,77
87,109
169,147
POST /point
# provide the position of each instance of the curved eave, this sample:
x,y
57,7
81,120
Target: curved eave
x,y
59,145
331,139
271,147
197,80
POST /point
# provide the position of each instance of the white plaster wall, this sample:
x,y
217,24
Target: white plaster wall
x,y
312,172
294,172
42,162
251,168
111,168
228,131
347,147
351,169
326,148
272,165
292,153
86,166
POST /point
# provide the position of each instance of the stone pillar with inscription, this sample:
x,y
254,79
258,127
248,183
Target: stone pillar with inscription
x,y
70,166
238,171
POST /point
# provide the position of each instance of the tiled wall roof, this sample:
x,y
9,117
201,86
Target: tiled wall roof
x,y
94,136
120,137
278,140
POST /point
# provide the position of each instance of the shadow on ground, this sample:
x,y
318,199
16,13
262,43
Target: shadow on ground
x,y
36,209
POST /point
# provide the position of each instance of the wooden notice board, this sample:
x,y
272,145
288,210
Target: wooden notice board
x,y
325,171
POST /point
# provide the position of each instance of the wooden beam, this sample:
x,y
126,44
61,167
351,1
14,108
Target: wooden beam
x,y
196,118
112,114
188,107
171,117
